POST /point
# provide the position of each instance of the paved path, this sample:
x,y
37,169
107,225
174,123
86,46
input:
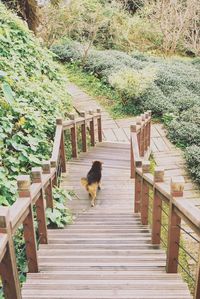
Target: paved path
x,y
113,130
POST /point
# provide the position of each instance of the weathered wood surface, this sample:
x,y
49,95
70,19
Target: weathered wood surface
x,y
106,253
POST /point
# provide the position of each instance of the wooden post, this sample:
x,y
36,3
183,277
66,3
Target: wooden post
x,y
146,131
139,132
177,187
92,129
145,194
59,121
8,265
133,129
74,137
40,207
142,134
138,187
46,169
99,125
197,286
53,164
149,128
23,183
83,132
157,206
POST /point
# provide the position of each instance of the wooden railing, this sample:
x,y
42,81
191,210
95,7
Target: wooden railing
x,y
161,190
36,191
140,139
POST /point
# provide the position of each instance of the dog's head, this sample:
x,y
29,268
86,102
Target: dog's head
x,y
97,165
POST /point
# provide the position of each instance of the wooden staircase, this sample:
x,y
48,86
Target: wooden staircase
x,y
106,253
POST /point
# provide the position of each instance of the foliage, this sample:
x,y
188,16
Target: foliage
x,y
163,85
130,83
178,23
106,24
148,26
60,215
192,155
32,94
28,10
185,133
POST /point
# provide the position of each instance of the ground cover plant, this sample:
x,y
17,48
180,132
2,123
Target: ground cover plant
x,y
32,94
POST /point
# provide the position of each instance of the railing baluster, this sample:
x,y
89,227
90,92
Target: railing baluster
x,y
133,129
23,183
142,134
146,131
99,126
149,128
59,121
8,265
83,132
92,129
177,186
74,137
157,205
40,207
46,169
145,194
138,188
139,133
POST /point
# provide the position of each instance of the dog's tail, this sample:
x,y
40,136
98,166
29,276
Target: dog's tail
x,y
84,182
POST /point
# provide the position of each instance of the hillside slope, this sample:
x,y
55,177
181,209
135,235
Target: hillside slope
x,y
32,94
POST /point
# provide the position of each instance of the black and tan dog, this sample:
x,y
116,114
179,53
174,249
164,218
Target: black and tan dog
x,y
93,180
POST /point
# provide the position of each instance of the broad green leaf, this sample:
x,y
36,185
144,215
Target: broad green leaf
x,y
2,74
8,93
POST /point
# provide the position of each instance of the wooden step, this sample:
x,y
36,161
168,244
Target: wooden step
x,y
99,252
105,285
106,294
105,275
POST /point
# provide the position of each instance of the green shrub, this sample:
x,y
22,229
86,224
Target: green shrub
x,y
192,155
156,101
130,83
68,51
184,133
192,115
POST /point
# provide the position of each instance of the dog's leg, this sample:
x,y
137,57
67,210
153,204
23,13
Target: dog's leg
x,y
93,192
93,198
99,186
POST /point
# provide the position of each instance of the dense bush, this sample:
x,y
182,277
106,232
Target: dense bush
x,y
192,155
184,133
132,84
32,94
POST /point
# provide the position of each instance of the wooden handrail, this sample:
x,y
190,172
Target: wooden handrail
x,y
171,193
36,190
